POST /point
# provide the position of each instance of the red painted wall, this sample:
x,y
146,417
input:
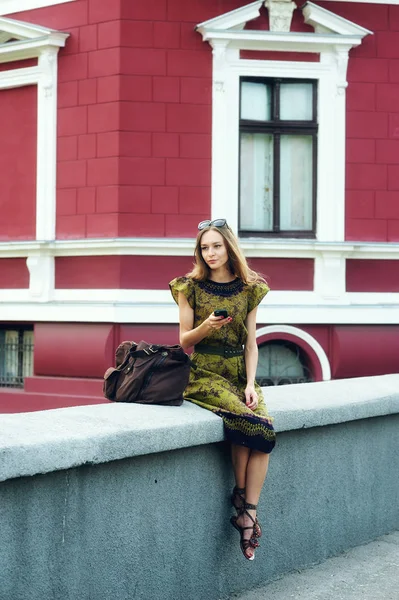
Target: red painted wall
x,y
18,64
126,272
372,275
372,125
155,272
73,349
60,351
353,351
14,273
18,108
364,350
285,273
134,146
134,117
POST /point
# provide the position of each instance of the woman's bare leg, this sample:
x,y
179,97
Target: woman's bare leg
x,y
240,457
257,466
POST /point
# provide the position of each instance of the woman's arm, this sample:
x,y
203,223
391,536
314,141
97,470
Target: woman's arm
x,y
251,360
189,336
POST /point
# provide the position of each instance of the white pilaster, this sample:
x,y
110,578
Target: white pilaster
x,y
224,136
46,145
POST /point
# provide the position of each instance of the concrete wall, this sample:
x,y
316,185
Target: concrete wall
x,y
121,502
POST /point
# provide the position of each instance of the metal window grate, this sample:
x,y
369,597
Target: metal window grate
x,y
16,357
281,363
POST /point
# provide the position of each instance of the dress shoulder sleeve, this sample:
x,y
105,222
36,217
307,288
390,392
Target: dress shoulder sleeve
x,y
185,285
257,291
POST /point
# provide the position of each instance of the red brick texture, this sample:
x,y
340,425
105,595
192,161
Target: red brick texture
x,y
372,174
134,116
18,127
134,122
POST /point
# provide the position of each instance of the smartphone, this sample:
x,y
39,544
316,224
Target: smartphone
x,y
221,312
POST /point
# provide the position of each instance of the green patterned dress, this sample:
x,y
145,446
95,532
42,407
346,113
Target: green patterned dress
x,y
218,383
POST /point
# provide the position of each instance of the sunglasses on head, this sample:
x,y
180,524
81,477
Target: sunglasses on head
x,y
215,223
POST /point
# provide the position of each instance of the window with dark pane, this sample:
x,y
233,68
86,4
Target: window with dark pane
x,y
16,355
282,362
278,150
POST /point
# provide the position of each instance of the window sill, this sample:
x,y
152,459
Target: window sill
x,y
286,235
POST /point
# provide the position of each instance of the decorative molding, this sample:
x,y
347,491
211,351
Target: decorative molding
x,y
154,306
279,41
41,283
323,20
8,7
327,304
295,332
19,77
341,56
232,19
253,247
333,45
219,53
23,31
280,14
330,278
30,40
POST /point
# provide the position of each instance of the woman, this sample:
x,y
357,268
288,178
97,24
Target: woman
x,y
224,378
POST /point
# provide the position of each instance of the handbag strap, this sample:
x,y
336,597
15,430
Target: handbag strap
x,y
154,349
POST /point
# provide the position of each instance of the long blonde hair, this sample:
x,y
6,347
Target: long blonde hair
x,y
237,263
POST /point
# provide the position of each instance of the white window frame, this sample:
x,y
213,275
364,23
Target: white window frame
x,y
38,42
333,38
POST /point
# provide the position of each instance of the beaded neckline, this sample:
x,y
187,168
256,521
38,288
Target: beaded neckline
x,y
231,288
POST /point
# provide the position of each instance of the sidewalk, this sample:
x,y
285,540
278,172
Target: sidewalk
x,y
369,572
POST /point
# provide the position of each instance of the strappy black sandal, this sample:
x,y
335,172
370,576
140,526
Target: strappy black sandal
x,y
246,543
238,501
257,529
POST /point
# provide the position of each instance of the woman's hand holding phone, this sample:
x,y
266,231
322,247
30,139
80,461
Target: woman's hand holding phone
x,y
218,319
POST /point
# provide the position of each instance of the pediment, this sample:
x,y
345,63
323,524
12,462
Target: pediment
x,y
19,36
325,21
234,19
231,25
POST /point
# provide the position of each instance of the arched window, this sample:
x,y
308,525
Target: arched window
x,y
282,362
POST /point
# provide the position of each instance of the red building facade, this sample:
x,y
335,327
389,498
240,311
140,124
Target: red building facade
x,y
126,123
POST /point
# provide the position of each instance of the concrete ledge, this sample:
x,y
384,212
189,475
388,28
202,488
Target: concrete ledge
x,y
46,441
116,529
42,442
330,402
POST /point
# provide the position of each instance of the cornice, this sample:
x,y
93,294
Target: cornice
x,y
184,247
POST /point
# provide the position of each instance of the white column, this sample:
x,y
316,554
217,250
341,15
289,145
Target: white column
x,y
331,150
46,145
225,103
